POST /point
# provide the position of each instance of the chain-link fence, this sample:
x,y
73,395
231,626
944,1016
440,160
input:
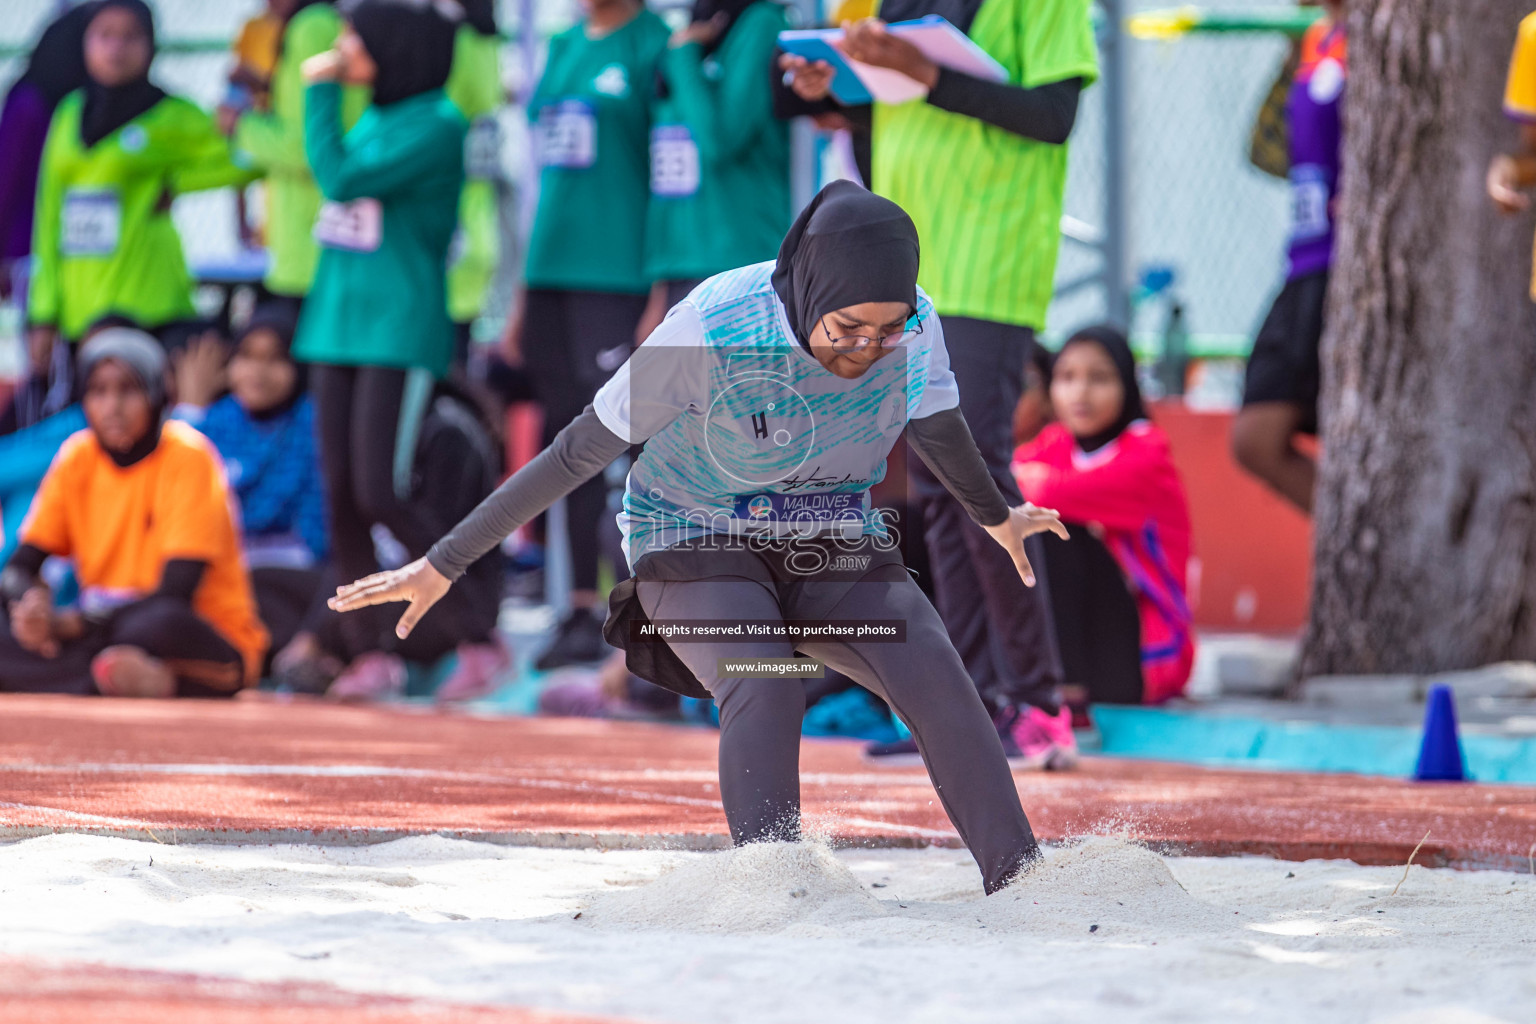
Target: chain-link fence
x,y
1201,222
1198,216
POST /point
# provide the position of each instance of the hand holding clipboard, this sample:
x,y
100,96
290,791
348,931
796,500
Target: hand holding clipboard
x,y
868,60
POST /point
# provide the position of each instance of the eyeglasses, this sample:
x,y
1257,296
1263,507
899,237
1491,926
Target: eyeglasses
x,y
858,342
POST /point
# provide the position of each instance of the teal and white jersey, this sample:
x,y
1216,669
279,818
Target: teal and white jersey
x,y
746,433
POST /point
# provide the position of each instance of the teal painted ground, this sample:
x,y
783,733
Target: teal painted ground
x,y
1225,740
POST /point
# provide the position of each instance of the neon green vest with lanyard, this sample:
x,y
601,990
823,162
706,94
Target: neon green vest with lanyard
x,y
987,203
103,239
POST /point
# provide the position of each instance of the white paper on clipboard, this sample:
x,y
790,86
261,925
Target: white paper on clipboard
x,y
939,41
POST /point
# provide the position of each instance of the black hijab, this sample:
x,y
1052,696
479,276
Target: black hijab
x,y
283,323
480,15
708,10
1114,344
847,247
108,108
411,41
56,66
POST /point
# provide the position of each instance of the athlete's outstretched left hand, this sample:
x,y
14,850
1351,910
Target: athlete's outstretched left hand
x,y
1023,521
418,583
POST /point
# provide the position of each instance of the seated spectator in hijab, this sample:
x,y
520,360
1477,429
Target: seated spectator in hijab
x,y
264,429
456,465
1118,585
55,68
26,454
140,508
118,152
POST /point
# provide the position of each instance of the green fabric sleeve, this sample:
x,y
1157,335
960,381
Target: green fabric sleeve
x,y
206,160
474,82
378,168
276,142
262,138
1056,40
43,289
727,117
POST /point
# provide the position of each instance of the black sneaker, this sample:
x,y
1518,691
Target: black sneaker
x,y
578,640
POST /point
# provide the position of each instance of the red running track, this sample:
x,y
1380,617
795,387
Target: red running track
x,y
262,769
36,992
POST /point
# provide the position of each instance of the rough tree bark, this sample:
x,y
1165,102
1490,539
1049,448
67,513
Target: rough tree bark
x,y
1426,532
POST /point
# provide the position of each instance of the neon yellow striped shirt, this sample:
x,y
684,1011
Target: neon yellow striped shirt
x,y
987,203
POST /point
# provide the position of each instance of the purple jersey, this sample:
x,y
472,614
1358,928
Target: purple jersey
x,y
1314,108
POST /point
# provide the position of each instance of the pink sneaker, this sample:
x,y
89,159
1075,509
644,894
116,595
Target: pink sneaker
x,y
1045,741
371,676
475,674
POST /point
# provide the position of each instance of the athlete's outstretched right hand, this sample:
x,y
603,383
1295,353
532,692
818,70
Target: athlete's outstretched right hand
x,y
418,583
1025,520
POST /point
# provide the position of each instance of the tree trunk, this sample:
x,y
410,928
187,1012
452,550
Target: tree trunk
x,y
1425,527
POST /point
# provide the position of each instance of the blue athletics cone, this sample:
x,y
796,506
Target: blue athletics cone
x,y
1440,758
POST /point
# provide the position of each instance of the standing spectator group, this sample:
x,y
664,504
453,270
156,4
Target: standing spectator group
x,y
340,414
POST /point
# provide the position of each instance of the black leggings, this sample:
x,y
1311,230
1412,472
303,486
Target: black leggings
x,y
1098,627
205,664
284,598
1001,628
922,679
572,343
358,415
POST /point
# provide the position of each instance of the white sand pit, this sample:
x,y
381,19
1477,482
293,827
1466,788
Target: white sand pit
x,y
1103,931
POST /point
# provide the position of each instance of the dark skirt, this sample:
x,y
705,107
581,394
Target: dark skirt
x,y
816,573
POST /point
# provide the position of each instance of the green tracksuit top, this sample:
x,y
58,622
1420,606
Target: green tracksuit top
x,y
392,201
719,158
592,119
103,239
474,86
274,143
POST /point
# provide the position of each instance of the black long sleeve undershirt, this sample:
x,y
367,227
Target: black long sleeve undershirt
x,y
1045,113
585,447
944,442
179,578
20,573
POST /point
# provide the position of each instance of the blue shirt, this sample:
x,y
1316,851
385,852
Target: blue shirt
x,y
274,469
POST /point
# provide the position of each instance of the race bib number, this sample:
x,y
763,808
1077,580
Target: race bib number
x,y
357,226
92,221
841,508
1309,203
567,135
482,149
674,161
